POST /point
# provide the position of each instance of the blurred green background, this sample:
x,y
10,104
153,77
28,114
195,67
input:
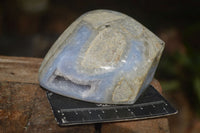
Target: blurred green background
x,y
30,27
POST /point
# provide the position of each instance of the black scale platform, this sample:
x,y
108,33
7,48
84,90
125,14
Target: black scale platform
x,y
68,111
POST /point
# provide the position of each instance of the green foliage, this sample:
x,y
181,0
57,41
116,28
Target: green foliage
x,y
170,85
197,86
182,70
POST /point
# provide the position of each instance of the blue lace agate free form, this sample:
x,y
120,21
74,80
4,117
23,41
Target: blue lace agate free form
x,y
102,57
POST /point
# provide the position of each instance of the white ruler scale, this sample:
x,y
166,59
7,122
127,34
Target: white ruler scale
x,y
68,111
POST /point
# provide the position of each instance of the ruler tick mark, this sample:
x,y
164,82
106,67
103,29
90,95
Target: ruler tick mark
x,y
132,113
76,113
165,109
64,121
99,116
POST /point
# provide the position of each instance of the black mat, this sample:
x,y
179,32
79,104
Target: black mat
x,y
68,111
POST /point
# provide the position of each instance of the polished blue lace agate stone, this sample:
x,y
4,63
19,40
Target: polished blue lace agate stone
x,y
102,57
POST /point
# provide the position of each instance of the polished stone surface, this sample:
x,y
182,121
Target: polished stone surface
x,y
103,57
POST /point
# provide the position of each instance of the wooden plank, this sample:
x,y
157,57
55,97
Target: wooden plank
x,y
16,105
19,69
24,106
144,126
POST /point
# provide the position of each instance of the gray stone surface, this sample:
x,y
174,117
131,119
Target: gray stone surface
x,y
103,57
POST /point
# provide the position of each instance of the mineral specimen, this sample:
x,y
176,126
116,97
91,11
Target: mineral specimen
x,y
103,57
